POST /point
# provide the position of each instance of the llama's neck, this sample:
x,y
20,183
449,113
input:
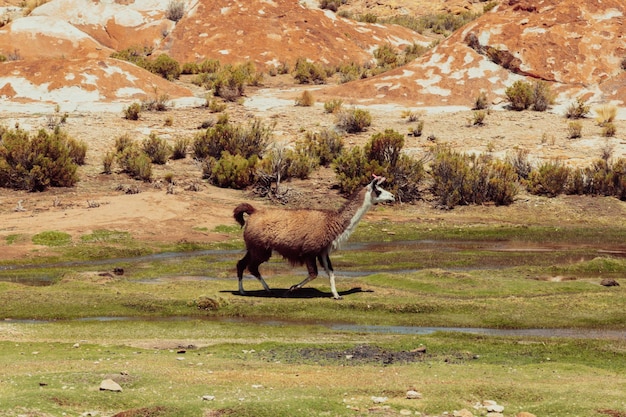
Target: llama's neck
x,y
350,215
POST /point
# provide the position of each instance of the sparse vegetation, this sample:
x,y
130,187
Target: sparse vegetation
x,y
305,99
574,129
306,72
157,149
460,179
333,106
578,109
175,10
550,179
354,121
605,113
608,130
481,102
523,95
133,111
36,162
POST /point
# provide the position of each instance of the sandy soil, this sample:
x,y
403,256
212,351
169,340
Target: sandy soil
x,y
99,201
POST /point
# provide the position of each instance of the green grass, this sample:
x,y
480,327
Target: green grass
x,y
253,354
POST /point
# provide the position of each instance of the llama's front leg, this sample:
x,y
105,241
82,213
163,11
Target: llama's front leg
x,y
241,266
328,267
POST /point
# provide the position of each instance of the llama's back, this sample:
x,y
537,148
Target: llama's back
x,y
292,233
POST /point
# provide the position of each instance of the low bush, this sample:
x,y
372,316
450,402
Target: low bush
x,y
305,99
354,121
549,178
520,95
235,139
460,179
333,106
543,97
132,112
157,149
574,129
179,150
165,66
36,162
306,72
577,110
481,102
605,114
175,10
230,171
608,130
324,146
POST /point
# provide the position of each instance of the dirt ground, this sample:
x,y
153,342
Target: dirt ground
x,y
100,201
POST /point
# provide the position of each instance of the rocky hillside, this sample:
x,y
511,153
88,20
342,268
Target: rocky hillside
x,y
64,45
576,46
60,52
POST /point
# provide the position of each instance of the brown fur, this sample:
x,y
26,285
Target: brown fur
x,y
301,236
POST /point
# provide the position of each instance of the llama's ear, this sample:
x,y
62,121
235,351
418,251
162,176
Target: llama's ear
x,y
377,179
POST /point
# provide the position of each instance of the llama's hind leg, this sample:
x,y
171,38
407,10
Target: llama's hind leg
x,y
241,266
253,266
312,268
324,260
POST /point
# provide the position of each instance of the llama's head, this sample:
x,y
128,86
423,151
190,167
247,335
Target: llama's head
x,y
376,193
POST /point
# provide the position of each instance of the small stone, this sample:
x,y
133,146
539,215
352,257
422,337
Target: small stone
x,y
208,397
525,414
413,395
76,345
110,385
379,400
495,408
405,412
463,413
609,282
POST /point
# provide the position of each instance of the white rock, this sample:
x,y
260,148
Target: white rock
x,y
495,408
110,385
379,400
413,395
208,397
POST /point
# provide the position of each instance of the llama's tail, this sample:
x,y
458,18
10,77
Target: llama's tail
x,y
240,210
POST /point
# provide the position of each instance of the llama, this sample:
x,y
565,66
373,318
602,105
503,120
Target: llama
x,y
302,236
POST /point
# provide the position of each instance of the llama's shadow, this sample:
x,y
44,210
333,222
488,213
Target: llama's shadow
x,y
301,293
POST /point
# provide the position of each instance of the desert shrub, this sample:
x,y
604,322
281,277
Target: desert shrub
x,y
190,68
520,95
230,171
574,129
330,4
549,178
577,110
608,130
122,142
385,148
417,129
306,72
235,139
175,10
460,179
136,163
132,112
386,56
230,81
305,99
605,114
350,72
381,155
209,66
354,121
478,117
543,97
36,162
179,150
324,146
283,163
158,102
352,170
157,149
413,51
481,102
215,106
166,66
138,55
107,162
333,105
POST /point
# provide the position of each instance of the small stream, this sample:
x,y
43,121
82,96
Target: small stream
x,y
376,329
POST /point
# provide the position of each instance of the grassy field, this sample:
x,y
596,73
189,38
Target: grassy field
x,y
174,334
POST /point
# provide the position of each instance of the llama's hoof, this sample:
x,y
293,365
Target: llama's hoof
x,y
338,297
242,292
293,288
